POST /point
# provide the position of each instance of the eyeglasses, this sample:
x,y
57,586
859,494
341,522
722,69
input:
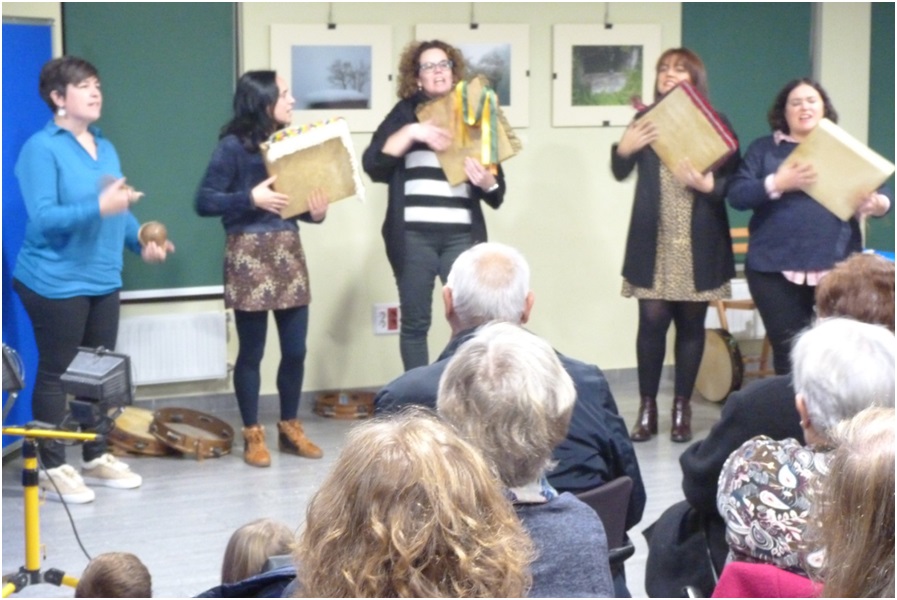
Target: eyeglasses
x,y
442,65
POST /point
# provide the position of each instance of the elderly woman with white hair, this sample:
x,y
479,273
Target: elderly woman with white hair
x,y
765,494
506,392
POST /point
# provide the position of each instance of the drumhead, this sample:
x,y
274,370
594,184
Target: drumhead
x,y
722,368
131,433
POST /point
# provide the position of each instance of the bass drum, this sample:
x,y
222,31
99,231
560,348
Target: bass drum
x,y
722,368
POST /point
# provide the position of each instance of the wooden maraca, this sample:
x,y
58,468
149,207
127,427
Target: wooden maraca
x,y
152,231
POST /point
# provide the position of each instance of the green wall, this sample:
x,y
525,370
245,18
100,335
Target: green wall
x,y
880,234
168,72
750,49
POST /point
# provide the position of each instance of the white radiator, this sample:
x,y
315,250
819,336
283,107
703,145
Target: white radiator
x,y
175,348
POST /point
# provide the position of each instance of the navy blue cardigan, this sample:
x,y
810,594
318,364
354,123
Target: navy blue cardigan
x,y
226,191
793,233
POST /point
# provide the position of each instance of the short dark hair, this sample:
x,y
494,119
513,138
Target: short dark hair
x,y
693,64
57,74
776,116
115,575
255,96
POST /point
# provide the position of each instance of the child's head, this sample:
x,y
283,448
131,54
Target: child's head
x,y
115,575
253,544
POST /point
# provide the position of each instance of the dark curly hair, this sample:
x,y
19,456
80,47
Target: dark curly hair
x,y
57,74
776,116
409,64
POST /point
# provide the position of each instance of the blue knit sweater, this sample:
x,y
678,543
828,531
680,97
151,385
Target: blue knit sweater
x,y
793,233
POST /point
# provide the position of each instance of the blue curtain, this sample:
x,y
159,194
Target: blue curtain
x,y
26,47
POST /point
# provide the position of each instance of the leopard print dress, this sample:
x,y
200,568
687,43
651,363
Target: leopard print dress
x,y
673,268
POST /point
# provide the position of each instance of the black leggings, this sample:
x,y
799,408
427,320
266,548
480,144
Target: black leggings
x,y
60,326
654,320
252,329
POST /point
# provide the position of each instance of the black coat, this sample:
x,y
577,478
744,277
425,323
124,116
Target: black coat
x,y
711,243
384,168
681,540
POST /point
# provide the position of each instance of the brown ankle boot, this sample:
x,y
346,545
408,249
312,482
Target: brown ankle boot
x,y
646,422
255,452
292,439
681,431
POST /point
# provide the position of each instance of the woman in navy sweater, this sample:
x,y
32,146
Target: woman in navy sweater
x,y
264,263
794,239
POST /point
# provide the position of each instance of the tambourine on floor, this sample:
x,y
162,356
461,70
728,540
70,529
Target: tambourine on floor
x,y
170,431
345,404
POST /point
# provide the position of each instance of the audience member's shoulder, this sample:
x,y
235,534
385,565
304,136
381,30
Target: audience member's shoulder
x,y
769,390
415,387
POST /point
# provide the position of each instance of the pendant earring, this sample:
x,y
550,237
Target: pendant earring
x,y
60,112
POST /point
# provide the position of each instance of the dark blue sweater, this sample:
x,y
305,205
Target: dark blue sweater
x,y
226,191
793,233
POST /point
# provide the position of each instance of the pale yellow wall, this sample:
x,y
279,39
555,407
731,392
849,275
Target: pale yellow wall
x,y
563,209
842,62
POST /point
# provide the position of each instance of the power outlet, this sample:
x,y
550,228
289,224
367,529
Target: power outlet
x,y
387,318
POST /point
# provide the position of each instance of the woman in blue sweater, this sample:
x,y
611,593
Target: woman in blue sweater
x,y
794,239
68,272
264,263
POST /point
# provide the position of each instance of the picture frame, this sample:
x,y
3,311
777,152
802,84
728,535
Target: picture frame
x,y
598,70
343,71
500,52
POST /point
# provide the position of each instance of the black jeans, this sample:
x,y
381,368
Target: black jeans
x,y
786,309
428,255
60,327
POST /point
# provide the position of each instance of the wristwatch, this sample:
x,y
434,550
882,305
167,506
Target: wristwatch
x,y
492,188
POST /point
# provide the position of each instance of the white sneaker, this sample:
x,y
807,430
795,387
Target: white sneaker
x,y
110,472
71,488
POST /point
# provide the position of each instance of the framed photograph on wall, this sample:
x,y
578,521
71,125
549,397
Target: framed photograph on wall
x,y
500,53
339,72
598,72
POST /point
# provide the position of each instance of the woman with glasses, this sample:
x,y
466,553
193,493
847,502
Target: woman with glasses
x,y
428,222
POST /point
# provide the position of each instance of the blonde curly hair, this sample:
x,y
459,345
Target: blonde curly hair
x,y
409,64
411,510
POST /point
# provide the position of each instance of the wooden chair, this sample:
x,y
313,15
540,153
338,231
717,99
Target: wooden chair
x,y
740,247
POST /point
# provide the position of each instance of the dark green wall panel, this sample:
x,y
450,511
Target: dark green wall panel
x,y
750,49
880,234
168,72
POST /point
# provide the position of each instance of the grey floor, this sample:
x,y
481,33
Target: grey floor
x,y
179,521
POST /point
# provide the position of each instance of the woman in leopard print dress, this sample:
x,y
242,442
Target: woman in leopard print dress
x,y
678,251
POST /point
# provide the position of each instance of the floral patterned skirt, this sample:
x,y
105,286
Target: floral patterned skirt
x,y
265,271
